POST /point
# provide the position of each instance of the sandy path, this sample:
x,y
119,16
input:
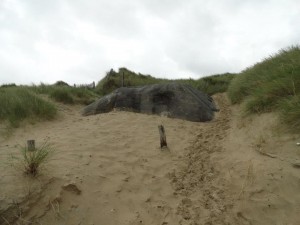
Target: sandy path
x,y
200,180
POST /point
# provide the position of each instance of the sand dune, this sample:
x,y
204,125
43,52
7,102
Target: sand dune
x,y
109,169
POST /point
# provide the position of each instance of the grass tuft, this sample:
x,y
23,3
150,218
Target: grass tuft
x,y
271,85
290,112
212,84
17,104
32,160
275,77
62,95
66,94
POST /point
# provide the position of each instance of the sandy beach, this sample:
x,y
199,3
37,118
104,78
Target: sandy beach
x,y
109,169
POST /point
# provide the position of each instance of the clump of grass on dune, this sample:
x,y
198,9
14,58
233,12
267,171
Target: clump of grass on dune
x,y
273,77
271,85
290,112
212,84
62,92
31,160
83,95
71,95
113,80
17,104
62,95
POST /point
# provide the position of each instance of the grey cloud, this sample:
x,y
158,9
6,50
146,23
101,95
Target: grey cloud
x,y
109,17
79,40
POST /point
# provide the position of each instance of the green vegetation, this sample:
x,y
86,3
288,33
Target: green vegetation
x,y
17,103
8,85
31,160
113,80
290,112
212,84
62,95
62,92
273,84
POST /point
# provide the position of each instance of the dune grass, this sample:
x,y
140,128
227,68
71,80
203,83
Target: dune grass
x,y
290,112
62,95
71,95
31,160
113,80
61,92
271,85
17,104
211,84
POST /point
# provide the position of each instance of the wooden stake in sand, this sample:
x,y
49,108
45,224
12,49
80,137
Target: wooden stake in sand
x,y
163,138
31,145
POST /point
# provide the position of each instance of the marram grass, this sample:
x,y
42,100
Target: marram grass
x,y
290,112
32,160
66,94
18,103
271,85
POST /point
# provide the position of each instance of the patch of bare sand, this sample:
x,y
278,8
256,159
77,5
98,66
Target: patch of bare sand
x,y
109,169
260,169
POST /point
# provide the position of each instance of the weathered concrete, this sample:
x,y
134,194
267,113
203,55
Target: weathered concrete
x,y
172,99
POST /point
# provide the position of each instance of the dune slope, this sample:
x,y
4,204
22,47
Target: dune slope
x,y
109,169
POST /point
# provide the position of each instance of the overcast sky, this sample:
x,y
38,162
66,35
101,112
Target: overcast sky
x,y
78,41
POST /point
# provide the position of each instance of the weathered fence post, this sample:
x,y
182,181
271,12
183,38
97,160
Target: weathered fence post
x,y
163,138
31,145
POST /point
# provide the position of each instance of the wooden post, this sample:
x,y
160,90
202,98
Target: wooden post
x,y
163,138
31,145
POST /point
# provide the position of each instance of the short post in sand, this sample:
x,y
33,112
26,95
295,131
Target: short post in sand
x,y
163,138
31,145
